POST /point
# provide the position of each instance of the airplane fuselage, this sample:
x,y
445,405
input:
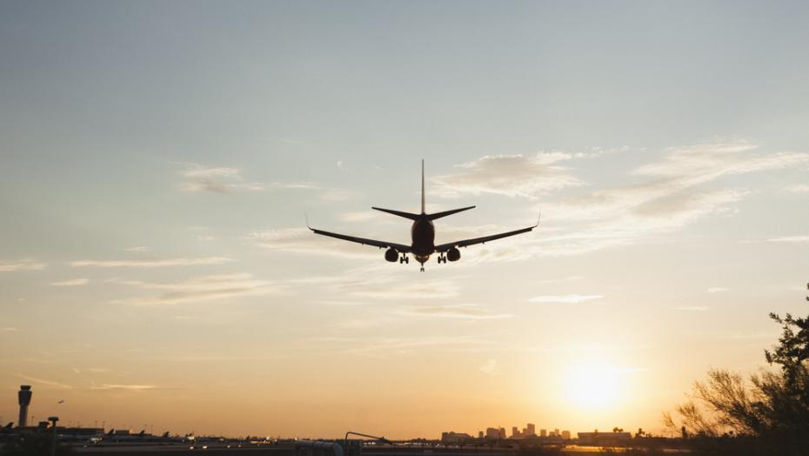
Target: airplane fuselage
x,y
422,234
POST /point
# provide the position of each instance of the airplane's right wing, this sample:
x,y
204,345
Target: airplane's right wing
x,y
364,241
483,239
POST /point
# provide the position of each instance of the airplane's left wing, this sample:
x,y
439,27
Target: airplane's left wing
x,y
364,241
482,240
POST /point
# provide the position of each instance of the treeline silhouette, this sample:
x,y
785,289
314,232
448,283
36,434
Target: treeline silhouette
x,y
769,415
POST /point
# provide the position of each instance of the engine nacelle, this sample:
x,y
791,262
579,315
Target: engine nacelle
x,y
453,254
391,255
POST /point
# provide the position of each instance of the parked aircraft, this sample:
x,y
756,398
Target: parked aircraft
x,y
422,235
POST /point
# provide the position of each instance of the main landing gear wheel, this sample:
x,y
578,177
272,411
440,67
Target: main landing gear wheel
x,y
404,259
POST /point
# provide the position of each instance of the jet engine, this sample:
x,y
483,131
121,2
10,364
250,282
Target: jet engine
x,y
453,254
391,255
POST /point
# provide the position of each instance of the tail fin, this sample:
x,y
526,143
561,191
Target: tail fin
x,y
422,187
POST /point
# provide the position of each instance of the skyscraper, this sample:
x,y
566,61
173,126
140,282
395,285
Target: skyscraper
x,y
530,429
24,398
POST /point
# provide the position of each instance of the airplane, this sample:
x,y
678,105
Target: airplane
x,y
422,235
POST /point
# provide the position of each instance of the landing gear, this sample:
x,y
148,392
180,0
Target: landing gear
x,y
404,259
442,259
422,267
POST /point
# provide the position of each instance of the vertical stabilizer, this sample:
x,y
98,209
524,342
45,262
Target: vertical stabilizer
x,y
422,187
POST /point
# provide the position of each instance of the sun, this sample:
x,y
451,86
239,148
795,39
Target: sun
x,y
593,385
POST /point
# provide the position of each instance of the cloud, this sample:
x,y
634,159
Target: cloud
x,y
460,311
353,217
9,329
198,172
566,299
302,240
43,382
120,387
692,308
388,346
204,288
21,265
717,290
386,288
674,191
198,178
150,263
70,283
789,239
138,248
489,367
510,175
798,188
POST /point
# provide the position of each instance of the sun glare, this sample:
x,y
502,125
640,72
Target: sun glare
x,y
593,385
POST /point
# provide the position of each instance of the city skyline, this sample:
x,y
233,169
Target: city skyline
x,y
159,161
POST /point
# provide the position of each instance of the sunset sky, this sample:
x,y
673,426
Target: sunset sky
x,y
158,160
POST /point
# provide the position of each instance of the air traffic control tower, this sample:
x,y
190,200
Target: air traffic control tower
x,y
24,397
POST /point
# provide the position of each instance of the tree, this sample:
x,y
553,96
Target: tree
x,y
773,406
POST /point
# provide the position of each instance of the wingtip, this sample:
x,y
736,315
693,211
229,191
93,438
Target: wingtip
x,y
306,219
539,217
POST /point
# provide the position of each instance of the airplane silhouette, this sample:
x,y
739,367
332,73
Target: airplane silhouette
x,y
422,235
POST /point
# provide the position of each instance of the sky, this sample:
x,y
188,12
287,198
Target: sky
x,y
159,160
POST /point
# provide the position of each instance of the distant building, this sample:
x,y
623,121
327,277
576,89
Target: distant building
x,y
24,399
556,432
531,429
604,438
456,438
502,433
492,433
480,435
543,433
566,435
515,432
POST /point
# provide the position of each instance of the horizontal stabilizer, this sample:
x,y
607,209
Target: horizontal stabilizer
x,y
438,215
406,215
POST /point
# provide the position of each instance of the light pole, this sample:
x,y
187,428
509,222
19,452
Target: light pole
x,y
53,420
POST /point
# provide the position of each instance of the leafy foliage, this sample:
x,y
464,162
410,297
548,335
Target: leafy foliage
x,y
773,408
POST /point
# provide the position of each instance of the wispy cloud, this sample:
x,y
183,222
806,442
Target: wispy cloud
x,y
798,188
70,283
489,367
673,192
565,299
692,308
511,175
789,239
204,288
391,346
156,263
717,290
390,289
302,240
460,311
43,382
21,265
198,178
122,387
137,248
